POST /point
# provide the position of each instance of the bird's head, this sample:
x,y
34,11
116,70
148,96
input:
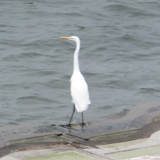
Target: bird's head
x,y
72,38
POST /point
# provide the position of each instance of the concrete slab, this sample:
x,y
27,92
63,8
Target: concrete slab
x,y
152,141
138,118
121,138
8,158
63,156
146,158
136,153
130,149
52,152
11,133
124,144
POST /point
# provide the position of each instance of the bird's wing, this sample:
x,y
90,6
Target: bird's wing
x,y
79,92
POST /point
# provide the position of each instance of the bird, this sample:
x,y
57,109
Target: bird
x,y
79,88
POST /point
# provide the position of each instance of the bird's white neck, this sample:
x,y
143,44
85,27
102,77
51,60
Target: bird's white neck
x,y
76,61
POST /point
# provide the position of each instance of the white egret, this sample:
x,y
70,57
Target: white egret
x,y
79,87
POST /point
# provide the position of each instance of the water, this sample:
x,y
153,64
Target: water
x,y
120,57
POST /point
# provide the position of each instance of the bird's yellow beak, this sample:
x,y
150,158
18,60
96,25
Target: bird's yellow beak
x,y
64,37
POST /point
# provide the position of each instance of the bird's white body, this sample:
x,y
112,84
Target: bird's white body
x,y
79,92
79,87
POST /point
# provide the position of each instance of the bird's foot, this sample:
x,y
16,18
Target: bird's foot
x,y
83,124
68,125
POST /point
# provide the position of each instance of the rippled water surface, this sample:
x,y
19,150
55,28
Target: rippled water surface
x,y
120,57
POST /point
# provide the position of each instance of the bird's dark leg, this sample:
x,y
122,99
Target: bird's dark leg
x,y
72,115
83,120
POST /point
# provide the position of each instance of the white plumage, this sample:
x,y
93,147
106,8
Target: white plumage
x,y
79,87
79,92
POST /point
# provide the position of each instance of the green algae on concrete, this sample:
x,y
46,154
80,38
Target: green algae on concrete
x,y
50,138
115,136
123,144
63,156
135,153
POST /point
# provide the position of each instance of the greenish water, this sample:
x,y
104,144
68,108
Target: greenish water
x,y
120,57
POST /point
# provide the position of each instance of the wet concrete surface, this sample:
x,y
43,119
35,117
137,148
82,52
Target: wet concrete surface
x,y
140,122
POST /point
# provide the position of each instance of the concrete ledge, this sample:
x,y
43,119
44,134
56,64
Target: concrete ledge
x,y
123,138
